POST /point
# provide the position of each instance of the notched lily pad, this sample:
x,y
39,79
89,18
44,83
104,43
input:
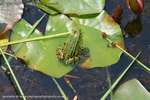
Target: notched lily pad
x,y
93,30
41,55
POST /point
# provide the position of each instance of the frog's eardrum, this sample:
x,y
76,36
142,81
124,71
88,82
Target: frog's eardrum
x,y
10,12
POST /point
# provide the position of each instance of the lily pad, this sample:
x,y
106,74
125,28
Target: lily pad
x,y
93,29
72,7
131,90
41,55
104,23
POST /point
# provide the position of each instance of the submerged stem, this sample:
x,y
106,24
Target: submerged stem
x,y
119,78
109,81
70,85
11,55
60,89
13,76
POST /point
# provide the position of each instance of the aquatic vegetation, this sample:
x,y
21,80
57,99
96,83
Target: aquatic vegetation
x,y
127,91
77,33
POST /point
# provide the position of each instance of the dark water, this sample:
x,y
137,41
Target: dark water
x,y
93,83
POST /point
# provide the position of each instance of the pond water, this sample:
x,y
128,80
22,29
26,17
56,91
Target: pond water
x,y
91,84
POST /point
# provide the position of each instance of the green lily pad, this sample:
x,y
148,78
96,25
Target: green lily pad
x,y
131,90
104,23
93,29
41,55
72,7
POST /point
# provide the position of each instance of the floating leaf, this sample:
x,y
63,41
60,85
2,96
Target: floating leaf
x,y
72,7
131,90
46,9
47,61
40,55
93,29
103,22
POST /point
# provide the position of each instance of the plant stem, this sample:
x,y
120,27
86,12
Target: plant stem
x,y
60,89
13,76
70,85
34,39
35,25
119,78
109,81
29,33
11,55
145,67
132,57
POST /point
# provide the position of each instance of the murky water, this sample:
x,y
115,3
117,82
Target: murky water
x,y
93,83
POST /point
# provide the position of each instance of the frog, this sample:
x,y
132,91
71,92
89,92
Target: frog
x,y
71,51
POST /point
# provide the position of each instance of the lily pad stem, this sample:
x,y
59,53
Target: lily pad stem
x,y
13,77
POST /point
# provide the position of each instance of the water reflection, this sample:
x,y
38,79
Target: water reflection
x,y
134,27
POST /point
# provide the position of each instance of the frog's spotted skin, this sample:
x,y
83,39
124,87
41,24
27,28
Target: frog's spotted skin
x,y
10,12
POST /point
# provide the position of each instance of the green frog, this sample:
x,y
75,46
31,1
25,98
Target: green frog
x,y
70,52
